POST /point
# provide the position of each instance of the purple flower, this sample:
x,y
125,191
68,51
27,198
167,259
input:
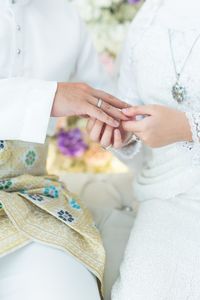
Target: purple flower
x,y
133,1
71,143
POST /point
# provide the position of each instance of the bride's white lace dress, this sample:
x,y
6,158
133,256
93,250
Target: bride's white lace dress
x,y
162,260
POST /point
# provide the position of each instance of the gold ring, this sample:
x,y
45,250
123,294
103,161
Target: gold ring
x,y
99,103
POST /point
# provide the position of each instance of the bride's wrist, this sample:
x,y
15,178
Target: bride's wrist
x,y
186,132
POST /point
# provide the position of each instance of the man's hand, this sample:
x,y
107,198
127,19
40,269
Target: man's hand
x,y
81,99
106,135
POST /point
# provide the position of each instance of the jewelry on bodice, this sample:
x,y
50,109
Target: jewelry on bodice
x,y
179,91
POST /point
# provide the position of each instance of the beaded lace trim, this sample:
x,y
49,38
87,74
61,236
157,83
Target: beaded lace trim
x,y
129,151
193,147
194,121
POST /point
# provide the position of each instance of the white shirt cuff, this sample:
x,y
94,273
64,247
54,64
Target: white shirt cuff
x,y
38,112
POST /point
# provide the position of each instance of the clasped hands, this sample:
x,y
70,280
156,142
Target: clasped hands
x,y
114,121
157,126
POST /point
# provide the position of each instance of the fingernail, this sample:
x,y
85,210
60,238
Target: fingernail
x,y
116,123
125,110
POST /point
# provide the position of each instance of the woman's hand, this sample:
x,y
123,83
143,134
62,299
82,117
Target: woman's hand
x,y
160,126
106,135
80,99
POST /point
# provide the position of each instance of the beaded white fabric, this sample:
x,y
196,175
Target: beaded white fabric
x,y
129,151
147,77
194,121
194,147
142,57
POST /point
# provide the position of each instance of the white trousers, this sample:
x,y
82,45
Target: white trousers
x,y
162,260
39,272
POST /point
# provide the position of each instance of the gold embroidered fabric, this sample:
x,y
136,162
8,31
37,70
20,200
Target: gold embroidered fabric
x,y
35,206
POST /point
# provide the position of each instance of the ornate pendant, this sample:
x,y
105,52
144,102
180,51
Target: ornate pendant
x,y
179,92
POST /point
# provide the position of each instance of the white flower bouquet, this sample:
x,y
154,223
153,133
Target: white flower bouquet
x,y
108,21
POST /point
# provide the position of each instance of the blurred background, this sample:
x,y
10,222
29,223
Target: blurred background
x,y
70,149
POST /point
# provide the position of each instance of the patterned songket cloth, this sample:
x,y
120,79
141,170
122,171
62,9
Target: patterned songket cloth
x,y
35,206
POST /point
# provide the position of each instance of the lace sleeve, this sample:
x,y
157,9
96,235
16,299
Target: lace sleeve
x,y
129,151
194,121
193,147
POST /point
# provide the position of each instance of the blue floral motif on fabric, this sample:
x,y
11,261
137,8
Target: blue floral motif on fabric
x,y
65,216
23,191
2,145
51,191
5,184
30,158
73,203
94,225
36,197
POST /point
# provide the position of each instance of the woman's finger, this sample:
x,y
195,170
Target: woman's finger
x,y
117,143
132,126
106,139
95,133
138,110
99,114
110,99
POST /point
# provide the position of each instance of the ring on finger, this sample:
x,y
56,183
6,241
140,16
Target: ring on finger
x,y
108,148
99,103
132,139
135,138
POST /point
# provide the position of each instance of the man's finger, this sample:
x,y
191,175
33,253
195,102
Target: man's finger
x,y
111,110
106,139
110,99
90,124
117,139
95,133
100,115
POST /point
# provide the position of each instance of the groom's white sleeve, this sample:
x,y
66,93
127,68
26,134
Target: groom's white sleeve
x,y
25,108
